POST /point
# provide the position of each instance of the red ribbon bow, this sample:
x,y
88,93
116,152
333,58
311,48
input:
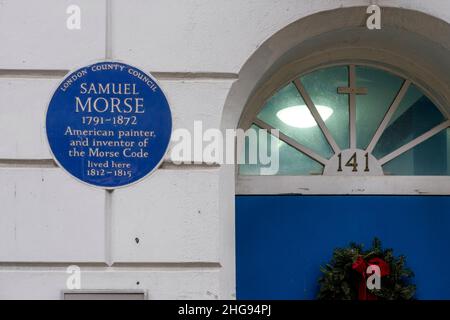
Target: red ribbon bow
x,y
360,266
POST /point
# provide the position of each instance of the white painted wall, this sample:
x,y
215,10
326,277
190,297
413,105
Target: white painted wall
x,y
183,216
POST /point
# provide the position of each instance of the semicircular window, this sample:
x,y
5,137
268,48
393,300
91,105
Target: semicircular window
x,y
350,120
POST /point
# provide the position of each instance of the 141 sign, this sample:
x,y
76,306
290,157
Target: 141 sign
x,y
353,162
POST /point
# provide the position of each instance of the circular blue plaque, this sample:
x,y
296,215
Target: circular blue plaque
x,y
109,124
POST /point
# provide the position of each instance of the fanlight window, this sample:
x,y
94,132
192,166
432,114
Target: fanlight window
x,y
355,120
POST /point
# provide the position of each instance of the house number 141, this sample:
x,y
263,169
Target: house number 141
x,y
353,162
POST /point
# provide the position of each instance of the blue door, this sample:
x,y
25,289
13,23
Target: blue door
x,y
283,240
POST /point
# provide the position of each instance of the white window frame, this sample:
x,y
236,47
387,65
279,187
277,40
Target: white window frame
x,y
343,185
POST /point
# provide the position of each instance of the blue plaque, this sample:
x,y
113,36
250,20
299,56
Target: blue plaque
x,y
109,124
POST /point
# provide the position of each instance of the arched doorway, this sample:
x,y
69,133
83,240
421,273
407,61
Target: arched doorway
x,y
334,38
340,122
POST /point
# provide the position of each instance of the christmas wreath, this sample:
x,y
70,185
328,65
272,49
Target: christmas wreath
x,y
346,276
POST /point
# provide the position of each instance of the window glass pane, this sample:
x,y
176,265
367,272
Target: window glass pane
x,y
287,112
382,88
429,158
415,115
322,87
291,161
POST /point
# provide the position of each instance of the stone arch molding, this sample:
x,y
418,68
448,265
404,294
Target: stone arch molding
x,y
412,43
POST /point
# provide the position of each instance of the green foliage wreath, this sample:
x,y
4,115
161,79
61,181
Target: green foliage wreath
x,y
340,280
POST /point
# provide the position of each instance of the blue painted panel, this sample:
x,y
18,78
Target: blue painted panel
x,y
283,240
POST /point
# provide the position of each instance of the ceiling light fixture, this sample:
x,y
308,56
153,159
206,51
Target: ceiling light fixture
x,y
301,117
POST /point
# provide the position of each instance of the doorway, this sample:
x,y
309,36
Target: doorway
x,y
283,240
363,153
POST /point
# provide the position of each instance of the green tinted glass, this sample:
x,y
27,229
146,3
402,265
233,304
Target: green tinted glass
x,y
382,88
430,158
287,112
415,115
291,161
322,87
376,90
